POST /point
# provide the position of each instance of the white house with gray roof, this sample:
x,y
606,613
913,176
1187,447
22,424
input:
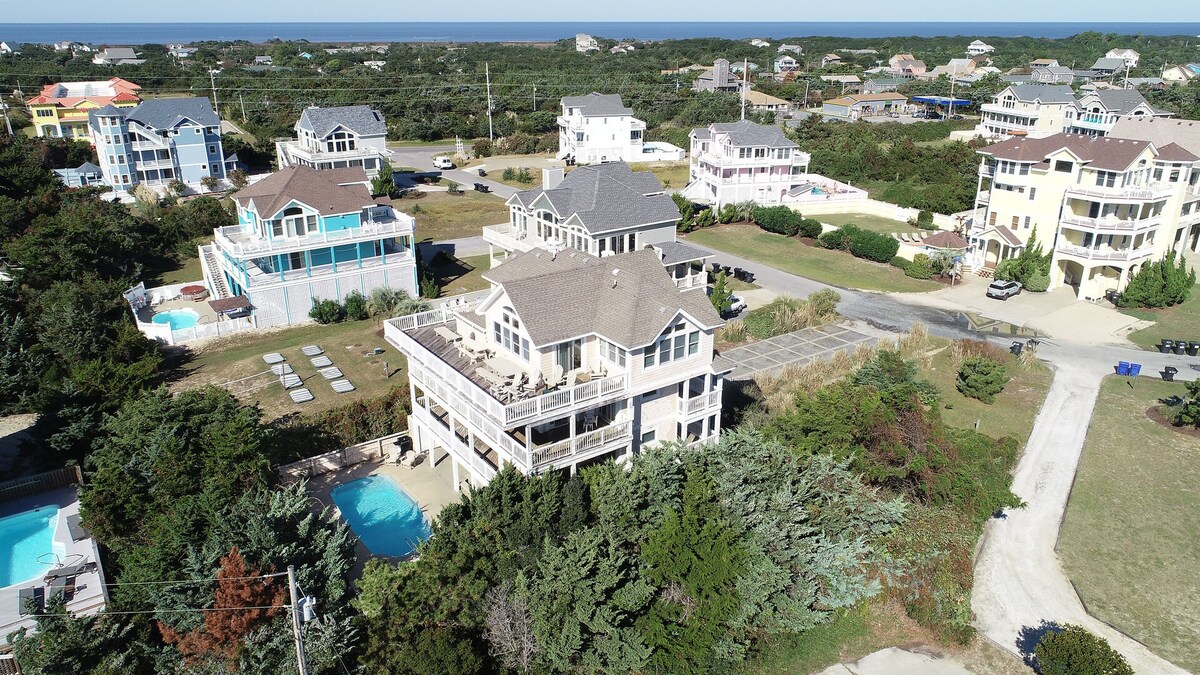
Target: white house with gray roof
x,y
1097,111
570,360
158,141
604,210
599,128
743,161
337,138
1029,110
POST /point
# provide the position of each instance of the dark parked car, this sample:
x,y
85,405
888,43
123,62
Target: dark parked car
x,y
956,116
1003,290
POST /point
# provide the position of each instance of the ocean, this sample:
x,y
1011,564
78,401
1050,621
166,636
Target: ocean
x,y
134,33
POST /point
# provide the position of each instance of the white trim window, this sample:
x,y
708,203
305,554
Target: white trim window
x,y
674,344
612,353
506,333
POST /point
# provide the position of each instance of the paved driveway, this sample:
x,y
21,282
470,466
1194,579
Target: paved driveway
x,y
802,347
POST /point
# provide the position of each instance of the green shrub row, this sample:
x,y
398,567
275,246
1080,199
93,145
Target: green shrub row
x,y
861,243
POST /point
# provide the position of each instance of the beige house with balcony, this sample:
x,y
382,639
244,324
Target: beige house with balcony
x,y
1097,111
1104,206
570,360
604,210
1029,110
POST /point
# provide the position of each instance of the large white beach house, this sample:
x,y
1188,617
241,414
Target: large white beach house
x,y
337,138
570,359
743,161
599,128
305,235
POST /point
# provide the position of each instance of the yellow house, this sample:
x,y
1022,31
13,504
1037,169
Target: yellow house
x,y
1104,206
61,110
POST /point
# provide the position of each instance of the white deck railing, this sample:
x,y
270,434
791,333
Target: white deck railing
x,y
236,241
699,402
1112,224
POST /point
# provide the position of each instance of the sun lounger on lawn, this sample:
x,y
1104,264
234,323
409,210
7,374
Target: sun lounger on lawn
x,y
75,528
312,350
322,362
290,380
281,369
342,386
273,358
301,395
331,373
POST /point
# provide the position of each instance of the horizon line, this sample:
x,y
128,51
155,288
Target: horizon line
x,y
633,21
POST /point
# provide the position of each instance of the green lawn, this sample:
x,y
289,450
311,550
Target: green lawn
x,y
1179,322
178,270
1012,413
866,222
441,215
1129,539
836,268
236,362
671,174
461,275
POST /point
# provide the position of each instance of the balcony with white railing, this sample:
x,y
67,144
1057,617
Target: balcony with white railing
x,y
297,151
508,238
256,276
1150,192
240,243
1103,254
696,280
438,359
698,403
1110,224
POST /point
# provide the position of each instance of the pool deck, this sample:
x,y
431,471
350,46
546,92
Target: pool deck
x,y
207,315
90,595
431,487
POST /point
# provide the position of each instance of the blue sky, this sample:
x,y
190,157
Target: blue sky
x,y
80,11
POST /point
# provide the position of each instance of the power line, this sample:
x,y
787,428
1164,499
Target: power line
x,y
151,611
196,581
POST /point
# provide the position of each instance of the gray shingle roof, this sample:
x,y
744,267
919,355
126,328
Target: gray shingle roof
x,y
1159,131
1046,93
675,252
607,197
572,294
1118,101
360,119
597,105
165,113
1105,63
745,132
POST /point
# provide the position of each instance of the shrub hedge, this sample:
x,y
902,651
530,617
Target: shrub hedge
x,y
778,219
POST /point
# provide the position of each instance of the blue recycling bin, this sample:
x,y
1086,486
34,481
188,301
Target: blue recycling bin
x,y
1135,369
1122,367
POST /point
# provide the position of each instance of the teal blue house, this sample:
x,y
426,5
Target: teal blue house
x,y
305,235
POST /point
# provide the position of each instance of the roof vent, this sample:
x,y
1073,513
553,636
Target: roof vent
x,y
615,272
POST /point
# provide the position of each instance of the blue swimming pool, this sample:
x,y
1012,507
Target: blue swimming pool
x,y
27,545
383,516
177,318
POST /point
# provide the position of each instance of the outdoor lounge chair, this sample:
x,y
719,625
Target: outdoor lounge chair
x,y
64,586
321,362
273,358
331,373
75,528
301,395
69,571
290,381
556,376
312,350
281,369
31,600
342,386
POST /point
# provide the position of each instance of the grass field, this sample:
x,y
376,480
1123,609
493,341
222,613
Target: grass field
x,y
836,268
1130,532
1179,322
179,270
866,222
348,345
441,216
461,275
671,174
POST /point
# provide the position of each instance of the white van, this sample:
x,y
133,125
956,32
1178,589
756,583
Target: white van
x,y
442,162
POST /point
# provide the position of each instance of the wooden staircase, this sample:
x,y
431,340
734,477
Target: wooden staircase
x,y
219,289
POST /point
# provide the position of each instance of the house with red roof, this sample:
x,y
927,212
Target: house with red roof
x,y
61,109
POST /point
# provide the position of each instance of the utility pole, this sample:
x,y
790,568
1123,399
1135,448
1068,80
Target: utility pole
x,y
7,122
1126,74
488,75
745,70
243,102
212,78
535,98
296,634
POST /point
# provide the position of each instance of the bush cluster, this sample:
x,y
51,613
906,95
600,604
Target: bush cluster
x,y
326,311
778,219
1072,650
1162,283
861,243
981,378
786,314
920,268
